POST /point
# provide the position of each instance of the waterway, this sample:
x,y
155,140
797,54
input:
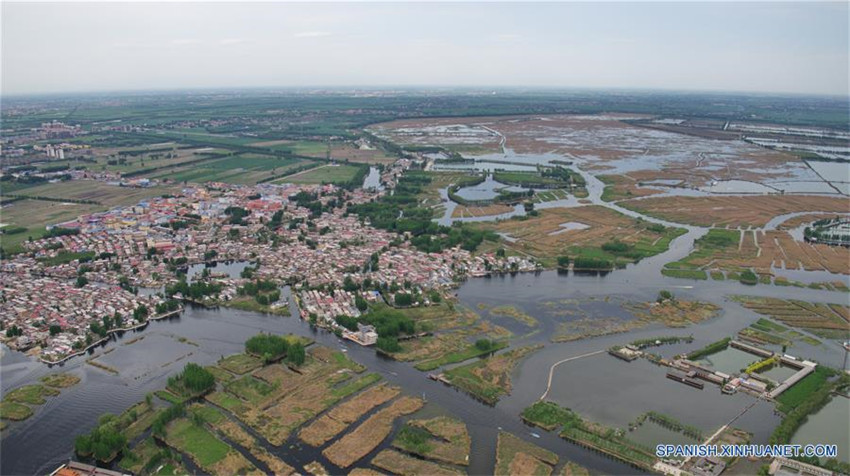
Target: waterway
x,y
829,425
601,388
373,179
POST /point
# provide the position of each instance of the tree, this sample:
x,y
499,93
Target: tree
x,y
361,303
403,299
55,329
81,281
296,354
484,345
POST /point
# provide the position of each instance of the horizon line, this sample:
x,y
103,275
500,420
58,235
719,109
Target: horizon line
x,y
422,87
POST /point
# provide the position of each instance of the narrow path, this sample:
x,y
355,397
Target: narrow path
x,y
552,368
727,425
305,171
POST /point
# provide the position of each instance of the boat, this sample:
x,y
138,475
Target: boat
x,y
535,435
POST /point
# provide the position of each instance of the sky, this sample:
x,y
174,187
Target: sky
x,y
785,47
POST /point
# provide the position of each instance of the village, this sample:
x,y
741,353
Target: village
x,y
57,293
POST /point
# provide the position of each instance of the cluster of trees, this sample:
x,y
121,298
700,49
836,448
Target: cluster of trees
x,y
808,396
237,215
389,324
55,199
14,331
820,230
256,287
748,277
193,380
585,263
710,349
832,464
311,202
265,292
196,290
485,345
141,313
276,220
271,347
618,248
13,230
563,174
167,306
401,213
105,325
59,231
103,443
165,416
403,299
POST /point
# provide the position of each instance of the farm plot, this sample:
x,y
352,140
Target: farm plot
x,y
546,238
831,321
623,187
489,379
733,251
248,168
210,453
515,456
216,421
275,400
737,211
441,439
339,417
404,465
366,437
34,214
603,142
324,174
482,211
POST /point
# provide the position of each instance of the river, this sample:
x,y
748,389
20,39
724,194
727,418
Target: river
x,y
601,388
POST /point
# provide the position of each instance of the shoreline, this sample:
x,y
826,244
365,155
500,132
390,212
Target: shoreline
x,y
108,334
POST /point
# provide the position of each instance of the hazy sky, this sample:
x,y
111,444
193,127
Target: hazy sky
x,y
769,47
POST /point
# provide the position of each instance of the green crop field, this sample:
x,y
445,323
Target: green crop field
x,y
323,174
246,168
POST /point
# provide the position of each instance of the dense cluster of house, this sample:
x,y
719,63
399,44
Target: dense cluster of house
x,y
299,235
58,316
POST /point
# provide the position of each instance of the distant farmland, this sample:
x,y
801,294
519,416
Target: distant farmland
x,y
241,169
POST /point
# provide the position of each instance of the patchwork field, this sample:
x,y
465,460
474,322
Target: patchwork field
x,y
605,143
582,232
441,439
754,211
623,187
337,419
340,151
727,253
404,465
366,437
34,215
489,379
322,174
516,456
275,400
246,168
831,321
465,212
580,319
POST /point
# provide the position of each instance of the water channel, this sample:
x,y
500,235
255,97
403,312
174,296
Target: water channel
x,y
599,387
